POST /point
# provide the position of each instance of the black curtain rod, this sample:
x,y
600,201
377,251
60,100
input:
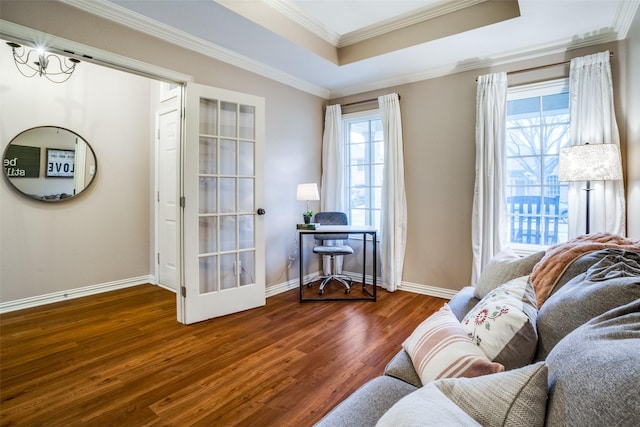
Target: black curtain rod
x,y
540,67
366,101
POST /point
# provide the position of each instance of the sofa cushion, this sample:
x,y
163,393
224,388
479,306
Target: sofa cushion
x,y
504,266
463,301
401,367
440,348
367,404
516,397
612,280
594,372
503,323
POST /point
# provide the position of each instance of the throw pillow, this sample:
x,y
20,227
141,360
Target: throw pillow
x,y
513,398
503,323
504,266
440,348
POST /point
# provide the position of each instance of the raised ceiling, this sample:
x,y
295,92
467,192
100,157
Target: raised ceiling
x,y
334,48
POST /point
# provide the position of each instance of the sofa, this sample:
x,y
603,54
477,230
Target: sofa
x,y
552,338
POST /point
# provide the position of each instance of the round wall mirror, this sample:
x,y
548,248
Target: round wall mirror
x,y
49,163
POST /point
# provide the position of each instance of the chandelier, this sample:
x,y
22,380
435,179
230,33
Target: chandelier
x,y
32,62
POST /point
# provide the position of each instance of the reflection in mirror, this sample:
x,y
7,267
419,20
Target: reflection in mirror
x,y
49,163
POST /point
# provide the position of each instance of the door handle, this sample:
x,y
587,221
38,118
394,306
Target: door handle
x,y
261,211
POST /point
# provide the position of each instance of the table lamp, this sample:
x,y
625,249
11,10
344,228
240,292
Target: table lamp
x,y
308,192
590,162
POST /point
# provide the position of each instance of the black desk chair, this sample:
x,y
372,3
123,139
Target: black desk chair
x,y
331,248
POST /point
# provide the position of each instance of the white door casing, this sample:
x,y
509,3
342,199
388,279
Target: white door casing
x,y
223,235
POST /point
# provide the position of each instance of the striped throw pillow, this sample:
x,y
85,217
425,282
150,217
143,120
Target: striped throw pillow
x,y
440,348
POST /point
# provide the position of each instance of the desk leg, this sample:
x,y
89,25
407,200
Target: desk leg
x,y
300,263
364,261
374,250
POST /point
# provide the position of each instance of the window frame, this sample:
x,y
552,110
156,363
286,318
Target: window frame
x,y
347,119
539,89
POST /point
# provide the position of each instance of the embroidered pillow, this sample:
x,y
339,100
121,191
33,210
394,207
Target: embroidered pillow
x,y
440,348
503,323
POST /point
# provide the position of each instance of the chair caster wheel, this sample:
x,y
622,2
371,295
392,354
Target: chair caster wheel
x,y
309,285
348,291
321,291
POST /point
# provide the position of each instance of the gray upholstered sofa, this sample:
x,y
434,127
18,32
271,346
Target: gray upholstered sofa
x,y
584,369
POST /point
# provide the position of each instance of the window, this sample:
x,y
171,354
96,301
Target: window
x,y
537,128
364,163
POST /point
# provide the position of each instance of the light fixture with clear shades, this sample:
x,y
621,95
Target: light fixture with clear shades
x,y
32,62
590,162
308,192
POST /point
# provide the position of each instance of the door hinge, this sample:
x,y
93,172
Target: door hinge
x,y
158,196
183,202
183,291
158,258
158,133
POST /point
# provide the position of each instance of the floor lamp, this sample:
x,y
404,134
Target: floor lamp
x,y
590,162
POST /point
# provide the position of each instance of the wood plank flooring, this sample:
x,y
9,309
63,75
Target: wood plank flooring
x,y
121,359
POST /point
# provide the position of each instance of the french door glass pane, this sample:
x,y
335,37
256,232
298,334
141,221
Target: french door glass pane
x,y
246,160
227,195
207,159
247,267
228,119
245,231
208,274
228,233
208,116
207,202
228,271
228,157
208,233
247,122
245,204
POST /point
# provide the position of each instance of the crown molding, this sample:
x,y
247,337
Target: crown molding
x,y
407,19
182,39
297,15
624,17
533,52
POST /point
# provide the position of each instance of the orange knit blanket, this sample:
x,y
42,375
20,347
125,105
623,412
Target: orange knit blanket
x,y
549,269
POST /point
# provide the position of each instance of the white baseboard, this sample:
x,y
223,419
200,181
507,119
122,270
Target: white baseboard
x,y
432,291
405,286
20,304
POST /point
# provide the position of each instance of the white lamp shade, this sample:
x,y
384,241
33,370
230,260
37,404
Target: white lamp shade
x,y
308,192
590,162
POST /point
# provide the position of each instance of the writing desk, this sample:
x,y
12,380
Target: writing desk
x,y
347,229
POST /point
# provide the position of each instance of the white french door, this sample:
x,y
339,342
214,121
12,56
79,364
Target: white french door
x,y
223,235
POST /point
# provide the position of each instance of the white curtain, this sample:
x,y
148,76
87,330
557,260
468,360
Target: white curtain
x,y
593,120
489,203
332,192
394,203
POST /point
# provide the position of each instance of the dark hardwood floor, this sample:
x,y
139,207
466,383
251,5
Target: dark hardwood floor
x,y
121,359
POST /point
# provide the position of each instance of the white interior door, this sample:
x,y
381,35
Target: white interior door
x,y
166,198
223,245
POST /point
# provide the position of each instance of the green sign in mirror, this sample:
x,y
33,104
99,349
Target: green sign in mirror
x,y
49,163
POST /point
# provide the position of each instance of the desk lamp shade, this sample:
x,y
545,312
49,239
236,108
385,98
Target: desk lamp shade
x,y
597,162
308,192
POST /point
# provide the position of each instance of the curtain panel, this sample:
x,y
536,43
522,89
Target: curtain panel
x,y
489,215
394,203
593,120
332,190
